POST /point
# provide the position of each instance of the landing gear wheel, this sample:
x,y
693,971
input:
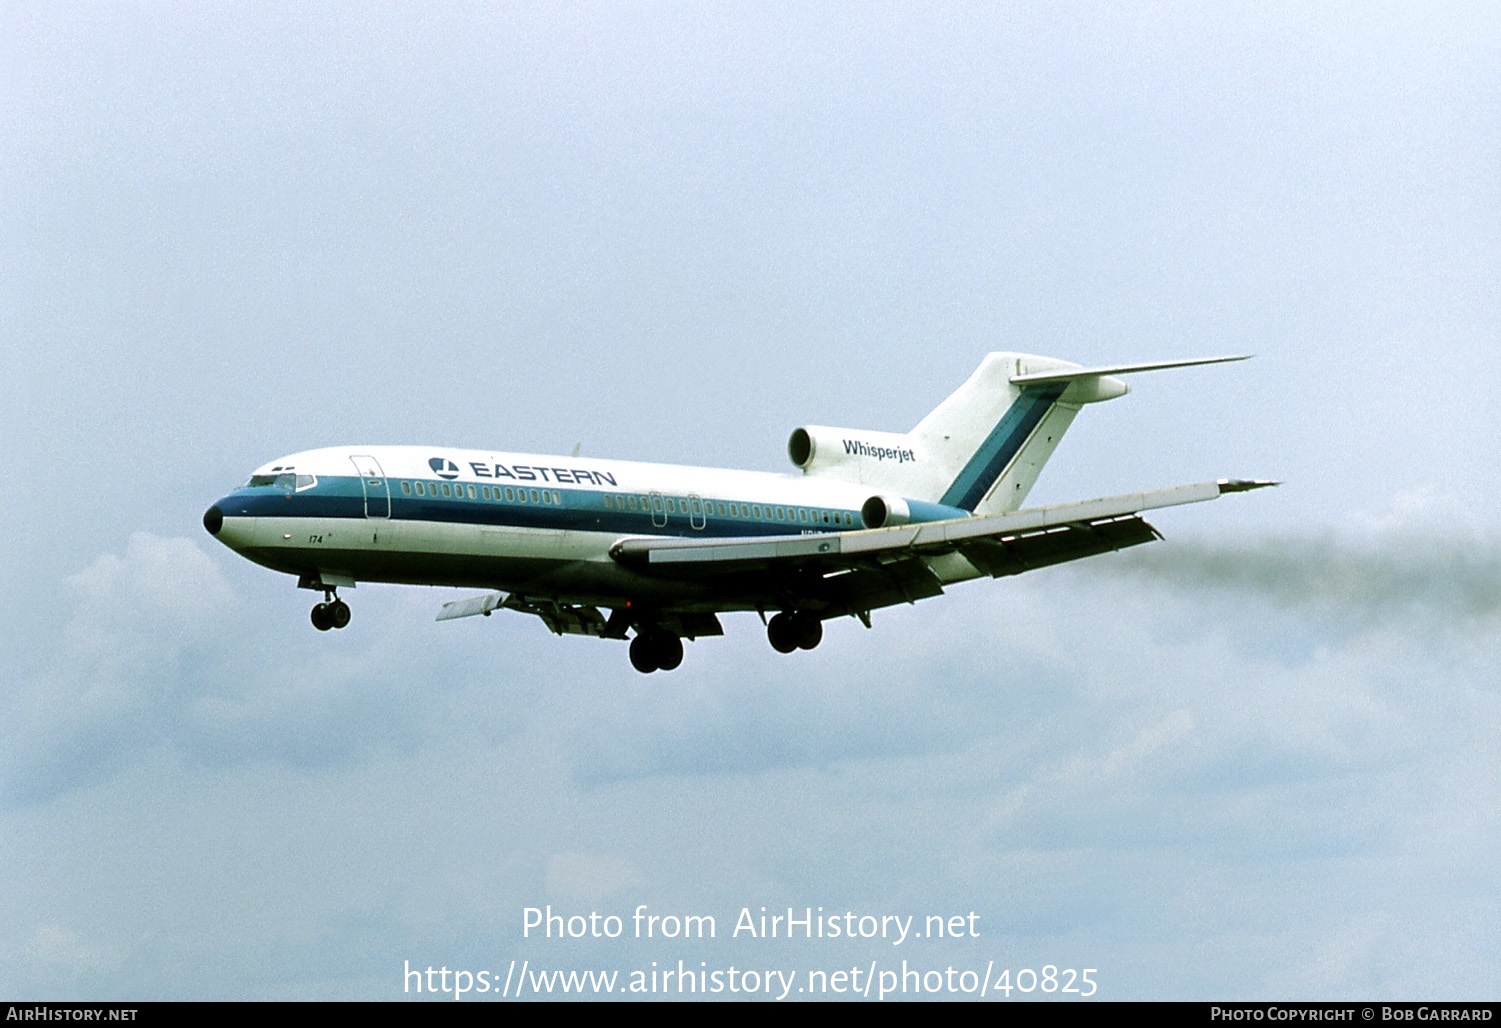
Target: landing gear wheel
x,y
669,652
322,617
656,651
809,631
338,613
782,631
643,654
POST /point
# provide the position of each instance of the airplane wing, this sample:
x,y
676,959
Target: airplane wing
x,y
858,571
560,618
574,618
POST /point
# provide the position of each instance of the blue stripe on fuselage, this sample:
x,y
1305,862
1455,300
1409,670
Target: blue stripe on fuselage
x,y
1001,447
580,510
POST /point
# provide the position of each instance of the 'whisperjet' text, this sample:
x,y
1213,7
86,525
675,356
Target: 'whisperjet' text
x,y
855,446
522,473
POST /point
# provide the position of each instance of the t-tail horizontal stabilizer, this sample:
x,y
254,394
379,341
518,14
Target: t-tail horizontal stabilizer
x,y
1071,374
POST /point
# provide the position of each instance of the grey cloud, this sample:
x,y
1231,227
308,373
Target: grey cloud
x,y
158,652
1383,578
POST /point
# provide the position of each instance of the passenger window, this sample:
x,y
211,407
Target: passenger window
x,y
472,495
510,495
721,508
406,488
534,496
631,500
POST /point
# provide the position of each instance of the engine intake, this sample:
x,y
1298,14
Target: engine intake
x,y
817,449
800,447
885,511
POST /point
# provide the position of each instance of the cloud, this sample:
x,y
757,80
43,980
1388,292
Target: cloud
x,y
584,878
67,956
159,654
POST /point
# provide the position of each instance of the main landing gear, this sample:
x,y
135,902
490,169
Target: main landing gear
x,y
331,613
794,630
656,650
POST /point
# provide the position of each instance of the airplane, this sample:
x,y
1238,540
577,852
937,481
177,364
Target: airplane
x,y
870,519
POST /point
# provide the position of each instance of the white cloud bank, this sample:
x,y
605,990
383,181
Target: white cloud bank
x,y
1115,766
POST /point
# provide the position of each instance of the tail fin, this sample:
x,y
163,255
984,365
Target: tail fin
x,y
992,436
981,449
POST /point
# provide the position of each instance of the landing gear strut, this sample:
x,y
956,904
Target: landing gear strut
x,y
331,613
795,630
656,650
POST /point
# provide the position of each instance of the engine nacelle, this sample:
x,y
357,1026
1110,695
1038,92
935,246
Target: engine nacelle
x,y
816,448
885,512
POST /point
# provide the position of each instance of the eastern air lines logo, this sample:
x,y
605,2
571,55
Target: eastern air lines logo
x,y
444,468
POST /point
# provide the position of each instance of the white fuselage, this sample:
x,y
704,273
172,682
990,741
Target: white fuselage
x,y
526,523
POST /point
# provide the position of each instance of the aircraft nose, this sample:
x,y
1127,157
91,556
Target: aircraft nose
x,y
213,519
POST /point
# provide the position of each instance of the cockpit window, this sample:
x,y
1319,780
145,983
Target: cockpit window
x,y
284,480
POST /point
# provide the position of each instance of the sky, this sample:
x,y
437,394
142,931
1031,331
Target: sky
x,y
1257,760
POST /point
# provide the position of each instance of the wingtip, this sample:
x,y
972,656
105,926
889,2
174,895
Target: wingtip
x,y
1244,485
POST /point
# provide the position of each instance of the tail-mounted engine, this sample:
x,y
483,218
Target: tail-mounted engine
x,y
881,511
820,450
885,512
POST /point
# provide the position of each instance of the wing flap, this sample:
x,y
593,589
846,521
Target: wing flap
x,y
870,585
471,607
1011,555
573,618
560,618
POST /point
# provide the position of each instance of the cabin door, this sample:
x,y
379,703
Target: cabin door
x,y
377,490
